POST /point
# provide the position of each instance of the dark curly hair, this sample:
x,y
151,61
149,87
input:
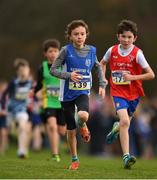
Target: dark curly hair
x,y
127,25
51,43
74,24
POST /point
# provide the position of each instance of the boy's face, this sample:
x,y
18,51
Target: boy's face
x,y
78,36
51,54
126,39
23,72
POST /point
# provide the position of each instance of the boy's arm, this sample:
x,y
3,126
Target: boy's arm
x,y
3,102
104,62
55,69
7,92
39,80
102,82
103,66
148,72
147,75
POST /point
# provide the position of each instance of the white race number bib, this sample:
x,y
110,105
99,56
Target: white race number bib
x,y
117,78
52,91
84,84
22,93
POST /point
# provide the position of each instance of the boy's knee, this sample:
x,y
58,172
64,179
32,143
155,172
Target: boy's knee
x,y
83,115
124,123
62,130
51,124
22,125
52,127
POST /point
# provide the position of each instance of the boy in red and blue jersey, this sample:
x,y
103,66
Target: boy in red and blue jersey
x,y
127,63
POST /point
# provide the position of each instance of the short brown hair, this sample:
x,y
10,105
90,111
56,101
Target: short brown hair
x,y
74,24
20,62
51,43
127,25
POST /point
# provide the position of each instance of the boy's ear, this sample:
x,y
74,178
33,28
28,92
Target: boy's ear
x,y
117,36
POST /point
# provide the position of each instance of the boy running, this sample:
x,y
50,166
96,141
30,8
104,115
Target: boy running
x,y
127,64
50,85
76,61
18,99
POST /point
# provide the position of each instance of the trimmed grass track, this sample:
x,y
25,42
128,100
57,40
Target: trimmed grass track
x,y
39,166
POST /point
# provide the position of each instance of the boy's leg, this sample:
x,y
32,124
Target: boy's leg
x,y
83,117
62,130
82,103
24,134
36,138
113,134
3,135
3,140
49,117
124,137
69,114
124,127
119,103
61,122
52,131
71,137
36,131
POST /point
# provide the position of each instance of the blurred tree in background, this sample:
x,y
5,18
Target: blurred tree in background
x,y
24,25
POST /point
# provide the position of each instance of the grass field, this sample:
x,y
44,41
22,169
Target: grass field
x,y
39,166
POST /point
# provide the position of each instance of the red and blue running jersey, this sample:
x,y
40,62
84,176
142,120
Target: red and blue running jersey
x,y
120,64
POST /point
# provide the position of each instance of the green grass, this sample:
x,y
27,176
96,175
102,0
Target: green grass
x,y
39,166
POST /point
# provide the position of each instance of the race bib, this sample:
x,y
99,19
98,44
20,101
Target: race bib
x,y
84,84
117,78
52,91
22,93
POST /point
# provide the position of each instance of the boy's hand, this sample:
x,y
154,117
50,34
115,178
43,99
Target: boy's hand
x,y
102,92
127,76
106,81
31,93
75,76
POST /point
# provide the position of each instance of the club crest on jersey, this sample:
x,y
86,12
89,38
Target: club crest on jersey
x,y
88,62
70,56
131,58
115,57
